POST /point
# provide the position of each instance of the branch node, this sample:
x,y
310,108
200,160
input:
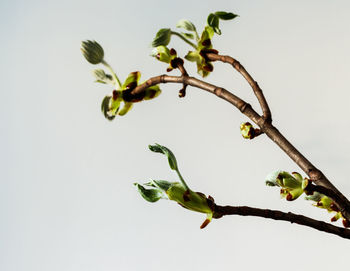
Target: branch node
x,y
315,175
218,91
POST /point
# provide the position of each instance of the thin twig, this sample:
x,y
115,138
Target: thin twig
x,y
257,90
278,215
315,174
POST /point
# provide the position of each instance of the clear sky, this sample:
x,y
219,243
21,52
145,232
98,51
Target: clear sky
x,y
66,196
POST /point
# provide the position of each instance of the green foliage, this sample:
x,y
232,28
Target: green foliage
x,y
162,37
186,24
102,77
213,19
168,153
151,195
202,46
223,15
111,104
176,191
292,185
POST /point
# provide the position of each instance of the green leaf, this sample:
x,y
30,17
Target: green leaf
x,y
164,185
193,56
223,15
162,53
100,81
133,77
271,179
186,25
188,35
162,37
105,107
316,196
126,108
271,183
151,195
168,153
152,92
102,77
213,22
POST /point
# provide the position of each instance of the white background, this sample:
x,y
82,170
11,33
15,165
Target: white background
x,y
66,196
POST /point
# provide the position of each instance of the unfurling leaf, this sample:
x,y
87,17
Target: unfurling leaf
x,y
92,51
102,77
223,15
162,37
151,195
213,22
292,185
168,153
162,53
186,24
105,108
188,35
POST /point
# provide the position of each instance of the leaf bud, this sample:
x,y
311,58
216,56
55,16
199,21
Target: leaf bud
x,y
247,130
92,51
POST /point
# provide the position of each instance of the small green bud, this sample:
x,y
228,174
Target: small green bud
x,y
92,51
162,53
292,185
246,130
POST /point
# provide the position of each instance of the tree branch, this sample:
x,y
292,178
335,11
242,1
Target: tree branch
x,y
278,215
266,126
257,90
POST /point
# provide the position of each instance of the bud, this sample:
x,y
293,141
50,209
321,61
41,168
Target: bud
x,y
291,184
194,201
247,130
176,191
162,53
92,51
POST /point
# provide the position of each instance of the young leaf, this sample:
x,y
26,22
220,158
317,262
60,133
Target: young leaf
x,y
164,185
193,56
186,25
162,37
133,78
151,195
102,77
105,107
223,15
188,35
168,153
213,22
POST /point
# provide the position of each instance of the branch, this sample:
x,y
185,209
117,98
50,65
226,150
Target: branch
x,y
257,90
315,174
278,215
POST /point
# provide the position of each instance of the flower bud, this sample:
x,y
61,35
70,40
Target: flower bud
x,y
92,51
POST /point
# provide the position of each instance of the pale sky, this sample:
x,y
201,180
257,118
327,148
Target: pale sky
x,y
66,196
